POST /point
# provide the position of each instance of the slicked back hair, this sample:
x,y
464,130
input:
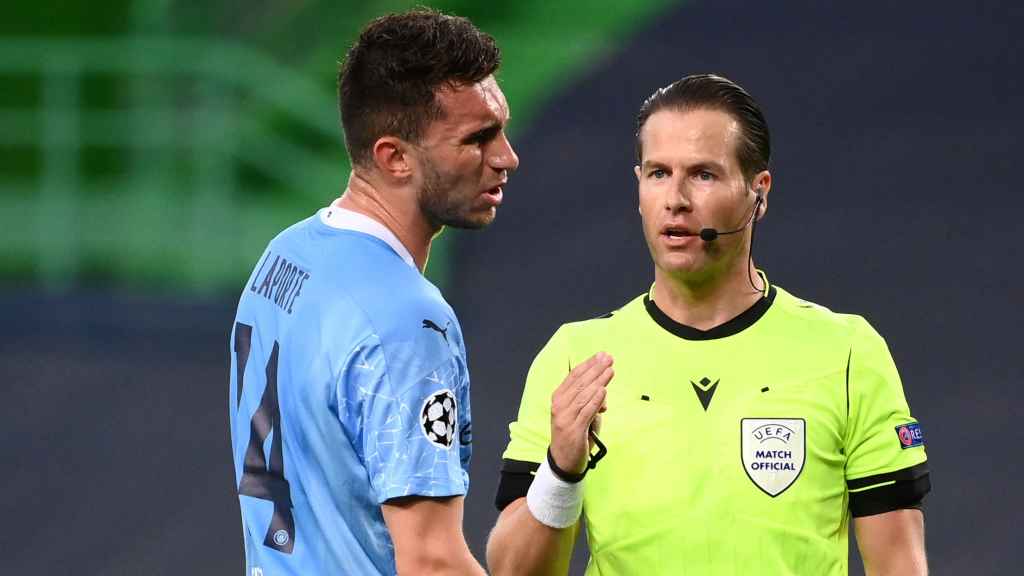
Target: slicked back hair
x,y
387,84
711,92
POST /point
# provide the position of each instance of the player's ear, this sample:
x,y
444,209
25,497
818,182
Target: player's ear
x,y
391,156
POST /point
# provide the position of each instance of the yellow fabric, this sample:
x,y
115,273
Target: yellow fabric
x,y
673,495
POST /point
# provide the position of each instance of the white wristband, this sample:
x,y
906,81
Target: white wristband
x,y
553,501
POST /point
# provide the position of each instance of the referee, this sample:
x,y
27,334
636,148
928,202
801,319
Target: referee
x,y
744,426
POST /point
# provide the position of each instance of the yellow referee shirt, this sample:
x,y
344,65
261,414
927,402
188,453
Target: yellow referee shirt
x,y
739,450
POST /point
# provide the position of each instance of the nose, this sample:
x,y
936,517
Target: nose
x,y
677,199
503,157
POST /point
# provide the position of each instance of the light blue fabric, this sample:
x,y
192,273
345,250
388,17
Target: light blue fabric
x,y
370,378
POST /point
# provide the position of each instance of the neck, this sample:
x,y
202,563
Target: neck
x,y
707,302
397,209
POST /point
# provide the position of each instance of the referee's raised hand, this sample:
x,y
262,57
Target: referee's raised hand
x,y
575,406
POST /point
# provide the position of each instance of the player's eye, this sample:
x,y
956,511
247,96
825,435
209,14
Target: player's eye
x,y
705,176
481,137
657,173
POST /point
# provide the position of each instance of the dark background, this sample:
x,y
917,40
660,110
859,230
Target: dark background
x,y
895,196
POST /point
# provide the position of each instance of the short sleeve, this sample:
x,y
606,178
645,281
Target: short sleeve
x,y
409,414
530,433
886,467
464,432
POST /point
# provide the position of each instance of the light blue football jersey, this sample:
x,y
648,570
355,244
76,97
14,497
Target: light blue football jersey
x,y
349,387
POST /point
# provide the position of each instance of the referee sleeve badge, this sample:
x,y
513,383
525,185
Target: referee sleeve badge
x,y
910,435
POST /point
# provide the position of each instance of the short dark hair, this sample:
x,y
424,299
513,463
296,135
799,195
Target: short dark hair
x,y
387,84
711,92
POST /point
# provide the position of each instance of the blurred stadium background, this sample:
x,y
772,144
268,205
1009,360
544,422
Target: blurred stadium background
x,y
149,149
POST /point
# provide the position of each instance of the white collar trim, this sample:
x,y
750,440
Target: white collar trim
x,y
343,219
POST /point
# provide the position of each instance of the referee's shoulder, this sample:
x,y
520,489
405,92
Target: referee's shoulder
x,y
613,318
820,320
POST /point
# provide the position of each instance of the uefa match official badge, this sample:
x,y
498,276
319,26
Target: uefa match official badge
x,y
773,451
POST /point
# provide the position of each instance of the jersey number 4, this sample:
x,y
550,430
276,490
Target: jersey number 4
x,y
259,479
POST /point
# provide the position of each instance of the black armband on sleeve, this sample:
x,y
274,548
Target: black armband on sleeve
x,y
516,477
897,490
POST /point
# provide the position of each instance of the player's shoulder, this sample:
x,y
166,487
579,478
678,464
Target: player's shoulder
x,y
343,253
401,303
804,316
295,237
357,277
371,272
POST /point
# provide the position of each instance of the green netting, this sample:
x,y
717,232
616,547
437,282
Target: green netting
x,y
164,154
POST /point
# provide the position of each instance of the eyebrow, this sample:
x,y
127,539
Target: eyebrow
x,y
708,165
648,164
484,134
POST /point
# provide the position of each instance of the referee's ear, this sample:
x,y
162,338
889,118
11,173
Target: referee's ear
x,y
762,184
636,172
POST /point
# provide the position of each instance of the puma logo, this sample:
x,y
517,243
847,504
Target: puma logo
x,y
443,331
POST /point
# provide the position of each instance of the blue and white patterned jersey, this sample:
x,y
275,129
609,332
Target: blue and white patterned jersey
x,y
349,387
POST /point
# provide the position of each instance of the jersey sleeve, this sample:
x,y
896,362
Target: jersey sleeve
x,y
886,467
464,431
408,415
530,433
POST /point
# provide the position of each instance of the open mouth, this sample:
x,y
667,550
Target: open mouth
x,y
676,232
677,236
493,195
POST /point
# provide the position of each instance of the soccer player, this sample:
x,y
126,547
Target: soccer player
x,y
744,425
350,415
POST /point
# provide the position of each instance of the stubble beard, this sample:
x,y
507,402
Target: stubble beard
x,y
442,206
713,265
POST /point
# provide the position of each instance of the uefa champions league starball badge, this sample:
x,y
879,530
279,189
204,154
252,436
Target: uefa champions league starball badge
x,y
439,418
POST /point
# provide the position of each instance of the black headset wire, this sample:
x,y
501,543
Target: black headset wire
x,y
750,253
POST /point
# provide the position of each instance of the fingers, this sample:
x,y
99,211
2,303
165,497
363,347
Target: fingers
x,y
574,406
582,376
585,365
592,399
570,385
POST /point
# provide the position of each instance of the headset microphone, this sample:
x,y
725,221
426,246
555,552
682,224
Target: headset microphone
x,y
710,234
